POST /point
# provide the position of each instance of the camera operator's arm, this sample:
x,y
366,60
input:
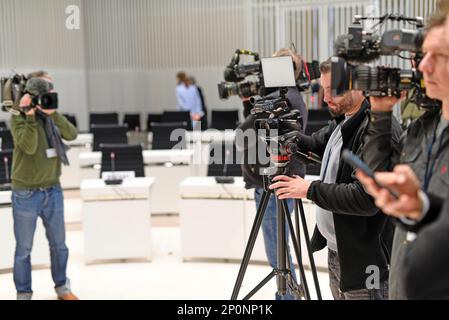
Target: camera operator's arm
x,y
24,129
382,140
68,130
316,143
341,198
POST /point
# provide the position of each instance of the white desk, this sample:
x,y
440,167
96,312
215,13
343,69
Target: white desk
x,y
88,159
81,140
207,136
216,221
168,167
71,175
40,255
117,219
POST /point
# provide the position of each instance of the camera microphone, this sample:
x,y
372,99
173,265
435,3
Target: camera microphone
x,y
37,86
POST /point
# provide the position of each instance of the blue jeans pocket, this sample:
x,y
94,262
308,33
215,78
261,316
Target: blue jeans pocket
x,y
22,194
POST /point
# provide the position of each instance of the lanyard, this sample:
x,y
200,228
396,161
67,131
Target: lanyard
x,y
430,164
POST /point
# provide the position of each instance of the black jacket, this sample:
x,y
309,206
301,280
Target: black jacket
x,y
426,262
363,233
413,151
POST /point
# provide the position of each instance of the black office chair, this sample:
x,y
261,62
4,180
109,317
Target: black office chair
x,y
5,169
7,140
222,120
177,116
225,161
162,133
153,118
103,119
72,119
107,134
126,158
132,120
3,124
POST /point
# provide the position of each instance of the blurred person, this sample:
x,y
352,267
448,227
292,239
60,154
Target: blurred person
x,y
188,98
426,262
36,191
204,124
252,171
358,236
425,144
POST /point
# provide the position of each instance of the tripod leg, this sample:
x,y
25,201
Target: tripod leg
x,y
309,248
260,285
251,242
281,248
296,247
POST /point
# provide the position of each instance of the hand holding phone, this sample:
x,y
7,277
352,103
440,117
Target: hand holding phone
x,y
356,162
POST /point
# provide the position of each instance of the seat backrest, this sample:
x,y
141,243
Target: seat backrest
x,y
153,118
107,134
222,120
6,138
162,134
103,118
177,116
132,120
126,158
224,160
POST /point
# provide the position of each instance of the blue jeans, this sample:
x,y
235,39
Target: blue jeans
x,y
269,230
47,204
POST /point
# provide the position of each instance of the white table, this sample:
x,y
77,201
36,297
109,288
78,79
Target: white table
x,y
81,140
216,221
168,167
117,219
89,159
40,256
71,175
206,136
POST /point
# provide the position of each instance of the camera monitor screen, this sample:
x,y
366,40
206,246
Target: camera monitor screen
x,y
278,72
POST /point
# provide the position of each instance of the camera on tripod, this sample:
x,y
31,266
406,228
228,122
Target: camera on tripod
x,y
360,46
16,86
247,79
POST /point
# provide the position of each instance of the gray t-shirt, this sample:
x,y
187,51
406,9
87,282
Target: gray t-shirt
x,y
328,174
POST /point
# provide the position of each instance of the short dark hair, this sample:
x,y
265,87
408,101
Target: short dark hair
x,y
326,66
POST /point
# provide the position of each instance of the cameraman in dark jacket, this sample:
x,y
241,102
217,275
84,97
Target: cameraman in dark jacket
x,y
348,222
425,144
252,170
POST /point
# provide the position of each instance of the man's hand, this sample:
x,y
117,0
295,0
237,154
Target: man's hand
x,y
385,104
25,102
196,117
402,180
290,188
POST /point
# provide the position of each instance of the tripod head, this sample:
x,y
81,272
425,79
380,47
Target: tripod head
x,y
278,125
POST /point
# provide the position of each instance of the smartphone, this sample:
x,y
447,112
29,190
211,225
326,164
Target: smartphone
x,y
355,161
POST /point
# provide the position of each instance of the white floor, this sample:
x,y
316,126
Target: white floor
x,y
167,277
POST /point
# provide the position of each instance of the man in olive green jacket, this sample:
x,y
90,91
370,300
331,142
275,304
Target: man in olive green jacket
x,y
36,192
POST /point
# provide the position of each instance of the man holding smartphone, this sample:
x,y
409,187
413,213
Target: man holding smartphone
x,y
348,222
36,192
425,144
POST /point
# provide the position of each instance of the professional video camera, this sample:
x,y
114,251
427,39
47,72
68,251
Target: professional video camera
x,y
247,80
360,46
15,87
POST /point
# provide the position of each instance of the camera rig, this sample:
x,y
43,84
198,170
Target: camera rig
x,y
359,46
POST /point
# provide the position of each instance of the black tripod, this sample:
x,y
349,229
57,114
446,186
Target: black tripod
x,y
282,272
